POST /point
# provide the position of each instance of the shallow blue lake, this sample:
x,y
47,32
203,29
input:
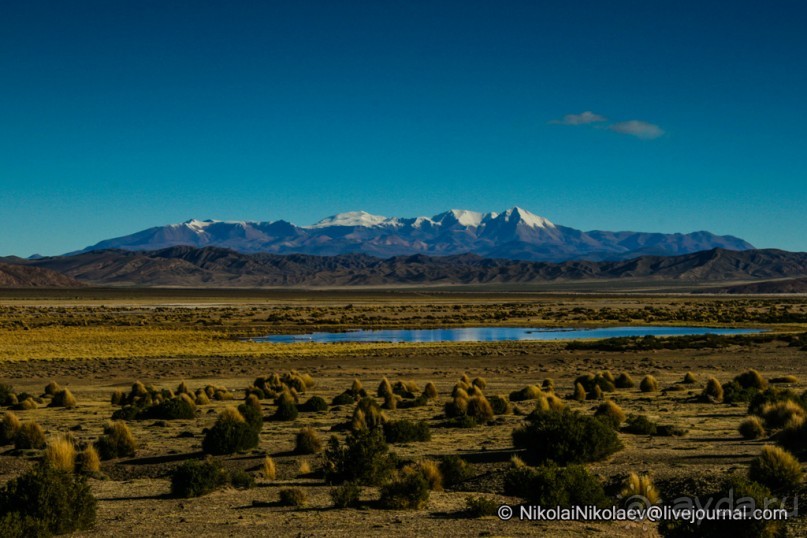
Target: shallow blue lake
x,y
491,334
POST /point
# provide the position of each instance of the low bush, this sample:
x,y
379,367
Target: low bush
x,y
624,381
640,425
178,408
713,392
197,478
63,398
454,470
481,506
346,496
479,409
406,431
315,404
292,497
231,433
777,469
530,392
286,408
734,392
610,413
364,458
752,379
46,501
500,405
670,430
408,490
9,426
689,379
240,479
88,461
566,437
346,398
550,485
430,391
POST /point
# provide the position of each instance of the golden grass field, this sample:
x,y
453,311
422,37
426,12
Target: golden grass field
x,y
97,341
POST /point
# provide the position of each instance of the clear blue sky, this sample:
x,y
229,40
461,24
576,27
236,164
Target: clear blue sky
x,y
120,115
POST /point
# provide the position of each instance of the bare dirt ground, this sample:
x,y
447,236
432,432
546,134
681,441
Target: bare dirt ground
x,y
134,498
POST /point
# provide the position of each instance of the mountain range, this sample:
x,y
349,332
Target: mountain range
x,y
217,267
514,234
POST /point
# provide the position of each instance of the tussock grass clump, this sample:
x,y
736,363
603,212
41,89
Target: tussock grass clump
x,y
202,398
458,407
454,470
292,497
431,472
26,404
88,461
408,490
231,433
406,389
6,392
391,402
579,392
60,454
118,398
550,485
565,437
751,428
63,398
459,392
367,415
406,431
555,403
785,379
9,426
648,384
29,436
776,469
307,441
475,391
610,413
689,379
314,404
642,486
430,391
479,382
590,381
364,458
116,442
356,386
303,468
52,388
183,388
345,398
269,468
384,388
479,409
46,501
779,414
500,405
346,496
752,379
530,392
713,392
548,385
624,381
286,407
196,478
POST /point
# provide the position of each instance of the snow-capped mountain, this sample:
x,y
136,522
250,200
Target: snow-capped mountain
x,y
514,234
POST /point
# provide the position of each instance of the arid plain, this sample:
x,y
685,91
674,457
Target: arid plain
x,y
98,342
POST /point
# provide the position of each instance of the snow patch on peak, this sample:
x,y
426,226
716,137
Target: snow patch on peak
x,y
530,219
354,218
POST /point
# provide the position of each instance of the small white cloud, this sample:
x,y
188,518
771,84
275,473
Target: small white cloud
x,y
580,119
638,128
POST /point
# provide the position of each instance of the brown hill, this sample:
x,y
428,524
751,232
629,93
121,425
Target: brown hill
x,y
217,267
793,285
25,276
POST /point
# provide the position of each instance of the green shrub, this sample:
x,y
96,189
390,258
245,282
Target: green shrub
x,y
231,433
550,485
116,442
455,470
29,435
252,415
481,506
406,431
307,441
751,428
408,490
46,501
315,404
772,396
197,478
734,392
363,458
566,437
178,408
640,425
346,398
241,479
6,391
292,497
346,496
777,469
670,430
